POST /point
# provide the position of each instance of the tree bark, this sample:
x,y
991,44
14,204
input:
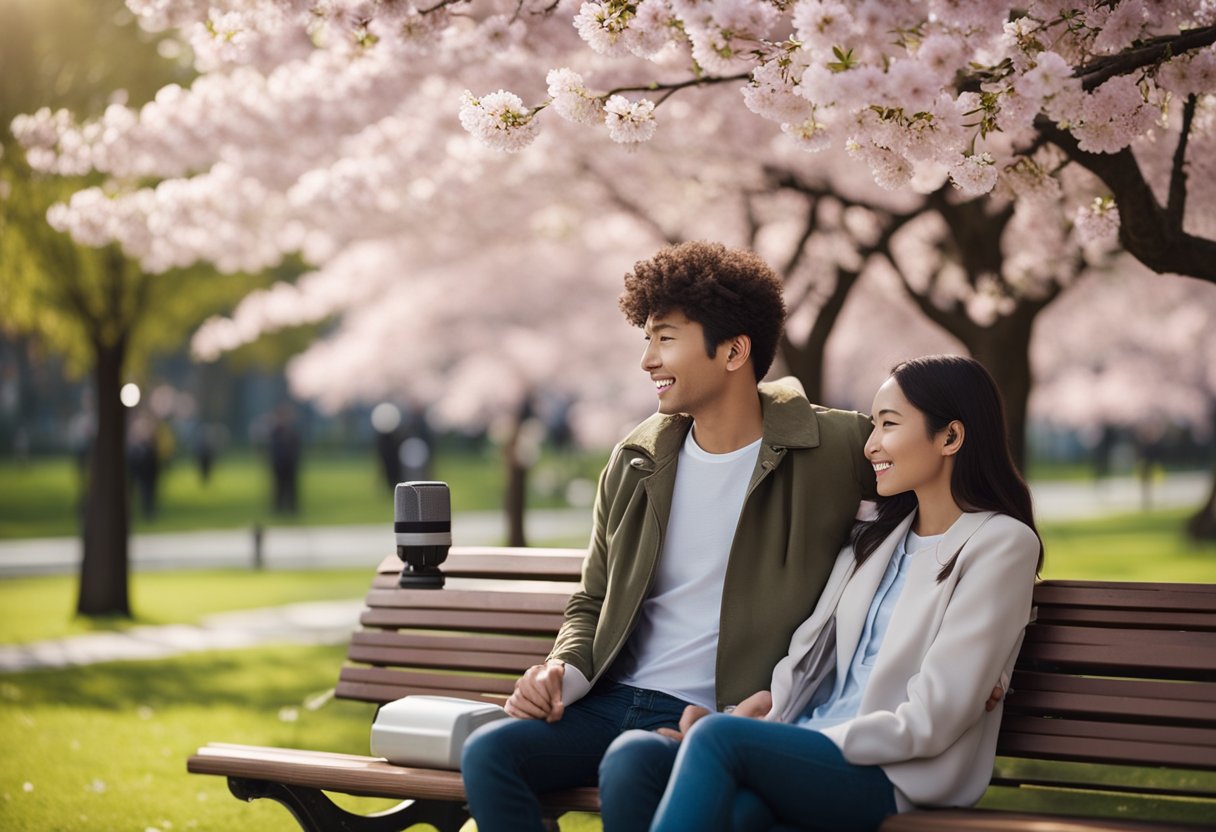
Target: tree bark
x,y
515,499
1202,524
104,567
1004,348
806,360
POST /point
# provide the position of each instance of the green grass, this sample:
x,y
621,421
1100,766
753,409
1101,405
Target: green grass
x,y
39,498
43,607
105,747
1133,547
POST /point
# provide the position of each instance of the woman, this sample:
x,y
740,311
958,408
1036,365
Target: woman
x,y
879,705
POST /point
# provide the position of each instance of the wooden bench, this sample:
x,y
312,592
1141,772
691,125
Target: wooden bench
x,y
1112,673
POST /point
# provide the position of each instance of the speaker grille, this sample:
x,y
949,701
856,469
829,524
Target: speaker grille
x,y
422,501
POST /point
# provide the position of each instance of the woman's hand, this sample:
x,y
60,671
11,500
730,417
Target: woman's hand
x,y
756,706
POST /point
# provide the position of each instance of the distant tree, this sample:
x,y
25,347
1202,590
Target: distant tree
x,y
95,305
1132,352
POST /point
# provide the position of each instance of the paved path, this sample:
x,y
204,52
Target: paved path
x,y
320,622
283,547
332,622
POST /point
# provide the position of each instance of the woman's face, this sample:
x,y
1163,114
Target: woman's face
x,y
904,456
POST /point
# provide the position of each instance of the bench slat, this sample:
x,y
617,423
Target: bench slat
x,y
1101,750
1143,619
988,820
468,684
349,774
502,622
1192,597
1173,734
449,641
506,563
1160,662
1123,637
1025,680
380,694
1143,711
448,599
445,659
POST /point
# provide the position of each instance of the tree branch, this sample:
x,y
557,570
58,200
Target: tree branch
x,y
808,229
441,4
1146,230
631,206
1175,207
708,81
1102,70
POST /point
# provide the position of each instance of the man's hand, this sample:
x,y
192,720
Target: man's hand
x,y
538,693
691,714
994,699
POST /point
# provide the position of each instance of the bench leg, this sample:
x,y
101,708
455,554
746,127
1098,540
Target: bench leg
x,y
315,812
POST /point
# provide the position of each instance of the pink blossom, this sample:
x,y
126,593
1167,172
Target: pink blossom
x,y
601,26
499,119
975,174
823,23
1097,222
571,99
1111,116
629,123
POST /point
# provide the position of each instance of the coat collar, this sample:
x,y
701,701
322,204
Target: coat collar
x,y
855,606
789,422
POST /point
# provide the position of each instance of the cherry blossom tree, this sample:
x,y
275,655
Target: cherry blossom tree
x,y
983,155
1131,351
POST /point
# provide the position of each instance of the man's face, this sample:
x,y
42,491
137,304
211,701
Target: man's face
x,y
686,380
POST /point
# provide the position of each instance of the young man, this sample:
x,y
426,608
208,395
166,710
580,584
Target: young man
x,y
717,521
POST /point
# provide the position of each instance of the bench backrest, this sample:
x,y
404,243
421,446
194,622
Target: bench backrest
x,y
1121,673
496,617
1109,672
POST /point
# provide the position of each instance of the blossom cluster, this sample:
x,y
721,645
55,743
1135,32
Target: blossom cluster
x,y
315,123
912,89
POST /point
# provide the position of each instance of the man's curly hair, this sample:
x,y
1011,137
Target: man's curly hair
x,y
728,291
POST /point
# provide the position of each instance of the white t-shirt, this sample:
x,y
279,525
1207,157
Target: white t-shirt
x,y
674,647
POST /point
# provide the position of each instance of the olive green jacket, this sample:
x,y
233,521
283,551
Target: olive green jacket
x,y
803,497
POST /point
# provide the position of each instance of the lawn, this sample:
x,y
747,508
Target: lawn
x,y
39,498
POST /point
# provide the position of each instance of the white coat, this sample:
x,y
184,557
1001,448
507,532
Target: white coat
x,y
922,716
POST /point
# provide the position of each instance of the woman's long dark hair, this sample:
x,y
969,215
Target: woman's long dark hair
x,y
946,388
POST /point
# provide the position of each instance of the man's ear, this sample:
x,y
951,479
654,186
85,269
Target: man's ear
x,y
738,351
955,434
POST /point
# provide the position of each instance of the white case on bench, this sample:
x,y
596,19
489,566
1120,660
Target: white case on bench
x,y
428,731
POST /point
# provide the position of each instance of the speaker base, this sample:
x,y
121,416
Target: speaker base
x,y
426,577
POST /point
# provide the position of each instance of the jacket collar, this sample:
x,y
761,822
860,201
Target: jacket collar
x,y
789,422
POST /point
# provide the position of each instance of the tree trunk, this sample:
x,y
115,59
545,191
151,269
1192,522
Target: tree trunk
x,y
517,461
1004,348
1202,524
103,567
806,360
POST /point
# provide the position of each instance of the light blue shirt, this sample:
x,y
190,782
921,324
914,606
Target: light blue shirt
x,y
845,699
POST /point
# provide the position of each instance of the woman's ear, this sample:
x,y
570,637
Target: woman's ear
x,y
955,434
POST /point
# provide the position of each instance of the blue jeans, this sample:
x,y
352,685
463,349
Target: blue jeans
x,y
507,763
734,774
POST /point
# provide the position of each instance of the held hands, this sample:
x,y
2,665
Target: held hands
x,y
538,693
755,706
994,699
